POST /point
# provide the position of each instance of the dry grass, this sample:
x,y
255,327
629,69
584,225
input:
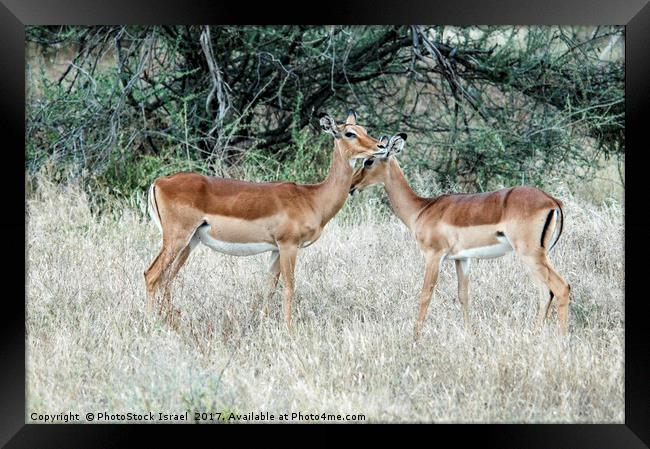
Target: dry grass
x,y
92,346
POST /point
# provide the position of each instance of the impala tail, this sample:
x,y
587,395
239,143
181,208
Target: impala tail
x,y
552,227
153,206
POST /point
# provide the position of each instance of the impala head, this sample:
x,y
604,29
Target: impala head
x,y
375,169
352,139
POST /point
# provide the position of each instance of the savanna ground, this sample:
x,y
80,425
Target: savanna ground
x,y
92,346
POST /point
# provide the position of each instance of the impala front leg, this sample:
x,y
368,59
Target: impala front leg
x,y
271,284
431,267
288,255
462,272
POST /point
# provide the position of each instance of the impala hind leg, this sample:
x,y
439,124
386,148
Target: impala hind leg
x,y
462,272
173,314
271,284
288,255
159,279
152,277
163,270
545,300
560,289
431,269
156,276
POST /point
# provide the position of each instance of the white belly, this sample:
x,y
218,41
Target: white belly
x,y
484,252
234,249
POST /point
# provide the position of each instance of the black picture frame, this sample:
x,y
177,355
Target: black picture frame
x,y
15,14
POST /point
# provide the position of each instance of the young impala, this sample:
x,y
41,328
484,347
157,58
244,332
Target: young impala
x,y
462,227
244,218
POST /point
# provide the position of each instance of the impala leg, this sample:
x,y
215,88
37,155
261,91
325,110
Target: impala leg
x,y
166,279
560,289
288,255
271,284
545,300
152,276
462,272
156,277
162,271
174,314
431,267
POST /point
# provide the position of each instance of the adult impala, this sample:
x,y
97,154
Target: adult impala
x,y
462,227
244,218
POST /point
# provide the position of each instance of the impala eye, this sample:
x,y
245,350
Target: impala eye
x,y
350,135
368,162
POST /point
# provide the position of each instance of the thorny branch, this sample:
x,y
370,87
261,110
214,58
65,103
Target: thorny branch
x,y
222,91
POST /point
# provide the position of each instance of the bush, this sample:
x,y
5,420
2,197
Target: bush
x,y
483,106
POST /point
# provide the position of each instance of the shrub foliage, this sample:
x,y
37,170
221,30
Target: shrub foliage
x,y
483,106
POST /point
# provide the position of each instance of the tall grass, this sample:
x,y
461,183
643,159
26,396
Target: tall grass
x,y
93,347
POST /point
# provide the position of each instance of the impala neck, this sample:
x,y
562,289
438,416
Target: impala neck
x,y
404,201
333,191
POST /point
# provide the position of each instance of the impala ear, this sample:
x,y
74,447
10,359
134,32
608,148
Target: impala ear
x,y
352,118
328,124
384,141
396,143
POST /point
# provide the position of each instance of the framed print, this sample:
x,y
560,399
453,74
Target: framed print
x,y
401,214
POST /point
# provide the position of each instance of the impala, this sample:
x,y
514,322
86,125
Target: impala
x,y
245,218
462,227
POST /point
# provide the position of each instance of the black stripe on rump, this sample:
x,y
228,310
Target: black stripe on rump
x,y
155,201
548,222
561,227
